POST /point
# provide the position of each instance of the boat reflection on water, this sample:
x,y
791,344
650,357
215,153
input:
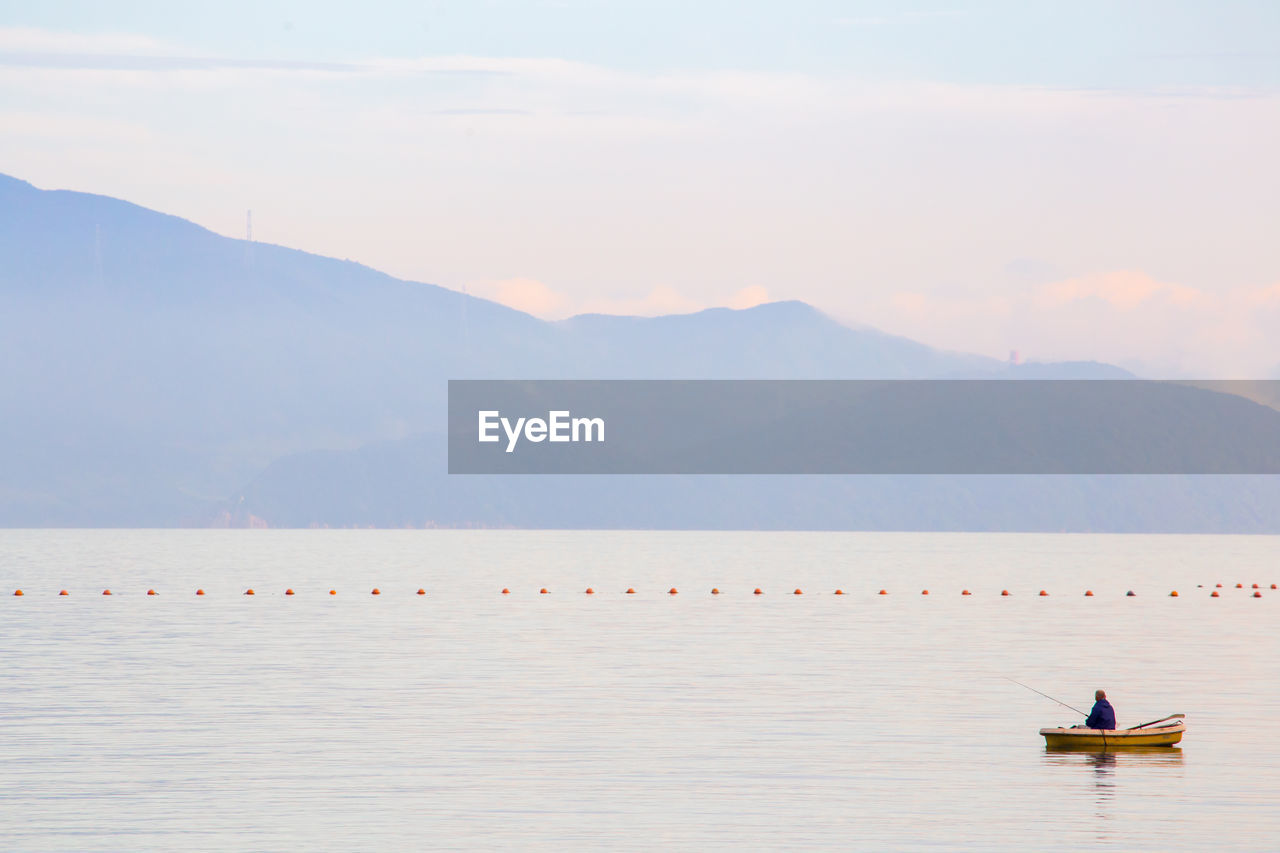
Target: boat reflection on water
x,y
1111,768
1145,755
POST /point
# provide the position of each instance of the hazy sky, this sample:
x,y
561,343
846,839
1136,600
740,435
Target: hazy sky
x,y
1072,180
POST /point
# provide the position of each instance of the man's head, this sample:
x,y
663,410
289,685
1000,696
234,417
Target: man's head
x,y
1099,694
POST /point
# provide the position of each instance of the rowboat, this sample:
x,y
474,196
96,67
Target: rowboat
x,y
1167,733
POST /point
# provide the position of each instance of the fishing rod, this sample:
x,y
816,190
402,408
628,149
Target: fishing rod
x,y
1046,695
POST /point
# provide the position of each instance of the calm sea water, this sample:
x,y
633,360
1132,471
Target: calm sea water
x,y
465,718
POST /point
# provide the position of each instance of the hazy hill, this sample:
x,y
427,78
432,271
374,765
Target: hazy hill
x,y
156,373
153,367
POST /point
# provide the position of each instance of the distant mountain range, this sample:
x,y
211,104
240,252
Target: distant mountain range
x,y
159,374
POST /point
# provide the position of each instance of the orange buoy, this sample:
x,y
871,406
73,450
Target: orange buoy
x,y
542,591
590,591
1044,592
1173,594
333,592
376,591
715,590
758,591
631,591
964,592
1257,594
199,592
1239,586
506,591
1004,592
1130,594
924,592
1273,586
106,592
839,592
18,592
63,592
288,592
1088,593
249,591
798,591
1214,594
884,592
1218,585
1255,586
151,592
672,591
421,591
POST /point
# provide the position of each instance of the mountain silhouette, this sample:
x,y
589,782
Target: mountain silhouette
x,y
160,374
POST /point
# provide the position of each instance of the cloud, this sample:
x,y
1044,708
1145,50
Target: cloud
x,y
1127,317
536,298
749,297
662,299
1126,290
481,112
900,18
36,39
524,294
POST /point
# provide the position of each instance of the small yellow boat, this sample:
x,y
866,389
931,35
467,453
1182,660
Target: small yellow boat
x,y
1168,733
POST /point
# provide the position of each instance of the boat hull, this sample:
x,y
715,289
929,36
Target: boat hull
x,y
1098,739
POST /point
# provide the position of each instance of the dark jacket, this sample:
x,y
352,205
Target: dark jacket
x,y
1103,716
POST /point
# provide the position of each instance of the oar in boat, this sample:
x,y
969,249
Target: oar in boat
x,y
1153,722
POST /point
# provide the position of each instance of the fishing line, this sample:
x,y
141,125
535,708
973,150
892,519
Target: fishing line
x,y
1045,695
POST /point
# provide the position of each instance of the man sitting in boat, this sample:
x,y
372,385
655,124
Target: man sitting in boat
x,y
1103,716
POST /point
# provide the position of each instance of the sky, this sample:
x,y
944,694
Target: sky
x,y
1083,180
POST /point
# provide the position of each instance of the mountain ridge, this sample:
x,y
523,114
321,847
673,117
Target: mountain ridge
x,y
155,365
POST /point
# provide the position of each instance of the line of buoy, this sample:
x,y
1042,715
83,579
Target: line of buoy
x,y
1257,591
